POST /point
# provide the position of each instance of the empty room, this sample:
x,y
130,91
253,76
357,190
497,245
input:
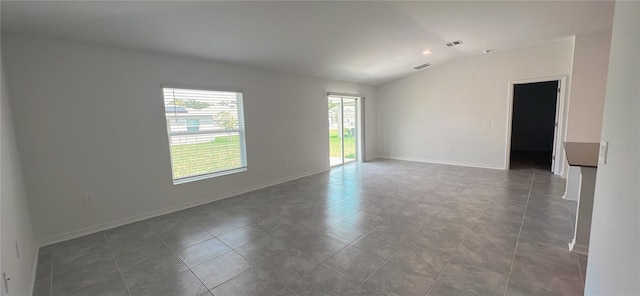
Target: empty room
x,y
354,148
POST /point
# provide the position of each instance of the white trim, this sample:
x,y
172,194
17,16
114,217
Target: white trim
x,y
239,98
34,268
456,163
209,175
195,87
559,137
570,197
360,126
360,129
335,94
578,249
123,221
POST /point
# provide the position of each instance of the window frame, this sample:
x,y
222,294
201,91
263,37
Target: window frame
x,y
241,132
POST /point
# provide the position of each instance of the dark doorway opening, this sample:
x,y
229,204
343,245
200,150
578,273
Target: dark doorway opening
x,y
533,125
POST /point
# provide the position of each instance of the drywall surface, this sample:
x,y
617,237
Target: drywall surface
x,y
90,120
458,112
614,250
16,220
588,84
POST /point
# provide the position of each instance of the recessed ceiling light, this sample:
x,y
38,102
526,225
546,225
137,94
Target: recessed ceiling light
x,y
487,50
427,51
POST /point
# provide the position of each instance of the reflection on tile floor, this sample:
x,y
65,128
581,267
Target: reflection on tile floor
x,y
379,228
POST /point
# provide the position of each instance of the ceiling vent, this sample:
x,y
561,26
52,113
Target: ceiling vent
x,y
422,66
454,43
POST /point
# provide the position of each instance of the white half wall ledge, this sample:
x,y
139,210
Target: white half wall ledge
x,y
446,162
50,240
572,189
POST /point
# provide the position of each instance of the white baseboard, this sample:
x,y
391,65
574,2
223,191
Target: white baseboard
x,y
124,221
578,249
456,163
571,197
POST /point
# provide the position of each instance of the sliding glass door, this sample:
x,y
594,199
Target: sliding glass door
x,y
343,129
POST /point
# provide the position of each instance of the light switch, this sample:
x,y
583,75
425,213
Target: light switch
x,y
602,157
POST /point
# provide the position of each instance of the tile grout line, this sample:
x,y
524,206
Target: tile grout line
x,y
221,234
185,264
472,225
238,275
515,250
104,234
155,234
344,275
252,263
352,245
289,290
348,245
365,280
255,265
453,253
245,258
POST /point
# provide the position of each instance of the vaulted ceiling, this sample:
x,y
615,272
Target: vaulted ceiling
x,y
363,42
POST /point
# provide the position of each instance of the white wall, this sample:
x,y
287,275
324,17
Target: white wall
x,y
588,84
66,93
15,218
614,251
422,114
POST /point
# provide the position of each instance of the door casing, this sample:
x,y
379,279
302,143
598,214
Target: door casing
x,y
559,160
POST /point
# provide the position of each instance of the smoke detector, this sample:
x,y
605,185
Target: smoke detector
x,y
421,66
454,43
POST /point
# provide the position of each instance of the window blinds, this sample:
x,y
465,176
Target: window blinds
x,y
206,133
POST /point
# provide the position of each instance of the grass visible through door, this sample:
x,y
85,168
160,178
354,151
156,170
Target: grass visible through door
x,y
349,145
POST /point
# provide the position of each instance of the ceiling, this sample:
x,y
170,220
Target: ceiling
x,y
362,42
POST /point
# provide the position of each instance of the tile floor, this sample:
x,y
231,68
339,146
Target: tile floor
x,y
379,228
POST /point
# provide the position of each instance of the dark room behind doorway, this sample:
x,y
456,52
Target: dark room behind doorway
x,y
533,125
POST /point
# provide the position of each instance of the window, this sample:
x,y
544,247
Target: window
x,y
193,125
206,133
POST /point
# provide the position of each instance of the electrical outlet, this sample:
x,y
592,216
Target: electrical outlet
x,y
89,199
451,148
487,122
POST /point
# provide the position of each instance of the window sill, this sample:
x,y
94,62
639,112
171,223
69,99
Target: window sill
x,y
207,176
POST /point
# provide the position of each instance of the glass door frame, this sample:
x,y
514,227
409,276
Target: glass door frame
x,y
358,129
